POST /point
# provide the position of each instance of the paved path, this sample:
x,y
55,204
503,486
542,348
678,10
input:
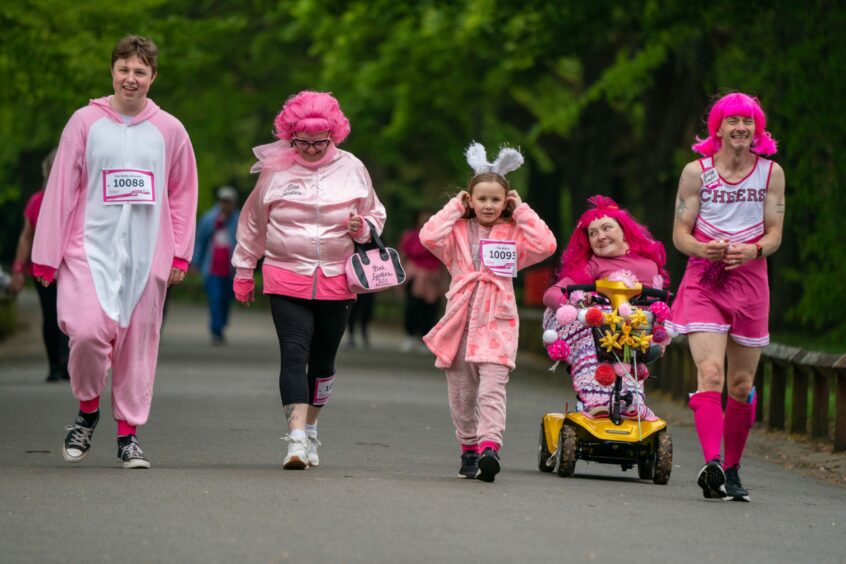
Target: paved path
x,y
385,491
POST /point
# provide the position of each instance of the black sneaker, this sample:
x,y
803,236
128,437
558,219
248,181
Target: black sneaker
x,y
469,464
712,480
78,439
130,453
734,489
488,465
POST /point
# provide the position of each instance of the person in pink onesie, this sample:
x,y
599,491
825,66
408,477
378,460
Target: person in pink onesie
x,y
484,235
606,243
117,226
729,217
311,202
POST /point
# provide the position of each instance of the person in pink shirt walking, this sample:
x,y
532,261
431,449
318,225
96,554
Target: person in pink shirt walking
x,y
729,217
311,201
117,227
606,243
484,235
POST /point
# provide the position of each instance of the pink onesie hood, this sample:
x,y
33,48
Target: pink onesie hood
x,y
150,109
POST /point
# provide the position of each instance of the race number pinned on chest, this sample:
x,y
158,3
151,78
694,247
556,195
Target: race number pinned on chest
x,y
710,178
499,256
128,186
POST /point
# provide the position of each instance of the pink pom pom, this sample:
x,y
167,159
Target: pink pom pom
x,y
621,369
566,314
660,336
625,309
660,310
642,372
604,375
558,351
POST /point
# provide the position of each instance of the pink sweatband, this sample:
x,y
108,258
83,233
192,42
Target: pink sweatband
x,y
48,273
181,264
18,267
243,287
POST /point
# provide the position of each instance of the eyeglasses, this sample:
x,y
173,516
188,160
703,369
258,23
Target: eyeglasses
x,y
303,145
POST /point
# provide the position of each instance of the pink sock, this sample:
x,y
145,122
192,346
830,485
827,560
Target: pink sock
x,y
125,429
708,416
469,448
89,406
488,444
739,419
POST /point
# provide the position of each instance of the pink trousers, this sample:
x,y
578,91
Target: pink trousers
x,y
476,399
98,343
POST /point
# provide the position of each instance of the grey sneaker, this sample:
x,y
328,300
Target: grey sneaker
x,y
78,439
734,489
712,480
130,453
311,451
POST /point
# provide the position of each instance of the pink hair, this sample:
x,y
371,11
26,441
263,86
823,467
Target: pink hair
x,y
312,112
641,242
736,104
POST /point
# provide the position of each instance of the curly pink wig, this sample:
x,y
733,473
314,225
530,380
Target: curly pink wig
x,y
736,104
312,112
640,241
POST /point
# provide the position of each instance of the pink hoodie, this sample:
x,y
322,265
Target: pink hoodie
x,y
296,217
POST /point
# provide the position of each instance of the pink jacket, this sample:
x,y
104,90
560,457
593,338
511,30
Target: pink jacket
x,y
493,322
297,216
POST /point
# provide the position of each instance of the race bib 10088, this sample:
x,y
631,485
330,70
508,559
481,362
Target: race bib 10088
x,y
499,256
128,186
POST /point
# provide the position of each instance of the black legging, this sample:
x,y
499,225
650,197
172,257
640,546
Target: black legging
x,y
55,341
420,315
309,333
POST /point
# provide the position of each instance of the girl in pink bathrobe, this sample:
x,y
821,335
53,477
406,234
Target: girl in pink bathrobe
x,y
484,235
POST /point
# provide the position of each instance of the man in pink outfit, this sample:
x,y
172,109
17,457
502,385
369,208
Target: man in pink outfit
x,y
117,223
729,216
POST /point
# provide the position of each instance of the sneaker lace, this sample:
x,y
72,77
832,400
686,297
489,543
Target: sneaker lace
x,y
79,436
132,451
313,442
289,439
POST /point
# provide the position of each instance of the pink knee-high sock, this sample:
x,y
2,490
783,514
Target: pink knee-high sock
x,y
740,416
125,429
708,416
89,406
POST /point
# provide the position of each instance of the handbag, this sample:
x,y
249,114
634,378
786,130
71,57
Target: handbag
x,y
373,270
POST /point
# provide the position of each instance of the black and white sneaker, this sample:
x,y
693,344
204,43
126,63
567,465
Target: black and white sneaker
x,y
130,453
734,489
488,465
712,480
469,464
78,439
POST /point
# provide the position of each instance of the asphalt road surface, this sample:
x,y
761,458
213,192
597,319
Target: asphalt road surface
x,y
386,490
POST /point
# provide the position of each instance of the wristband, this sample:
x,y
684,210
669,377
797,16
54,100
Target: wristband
x,y
18,267
760,251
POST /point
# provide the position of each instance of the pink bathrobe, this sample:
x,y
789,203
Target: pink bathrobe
x,y
493,324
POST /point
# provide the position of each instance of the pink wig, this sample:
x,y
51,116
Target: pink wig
x,y
312,112
640,241
736,104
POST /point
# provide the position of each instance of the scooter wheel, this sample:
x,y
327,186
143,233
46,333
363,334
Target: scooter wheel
x,y
543,452
566,457
646,470
663,457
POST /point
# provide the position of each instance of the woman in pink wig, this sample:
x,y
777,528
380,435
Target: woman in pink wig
x,y
606,243
311,201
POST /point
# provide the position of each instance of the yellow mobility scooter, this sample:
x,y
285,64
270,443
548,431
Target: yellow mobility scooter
x,y
626,324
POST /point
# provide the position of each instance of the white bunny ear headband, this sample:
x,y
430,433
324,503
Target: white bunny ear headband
x,y
507,161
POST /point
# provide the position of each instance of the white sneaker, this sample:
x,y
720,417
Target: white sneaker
x,y
313,443
297,459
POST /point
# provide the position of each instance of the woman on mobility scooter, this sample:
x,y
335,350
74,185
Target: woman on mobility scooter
x,y
607,346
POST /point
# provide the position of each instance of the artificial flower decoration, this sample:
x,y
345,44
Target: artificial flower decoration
x,y
609,342
660,335
612,319
641,342
625,337
638,319
625,309
594,317
661,311
577,296
642,372
604,375
626,277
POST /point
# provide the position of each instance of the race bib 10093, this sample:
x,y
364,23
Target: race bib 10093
x,y
128,186
499,256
